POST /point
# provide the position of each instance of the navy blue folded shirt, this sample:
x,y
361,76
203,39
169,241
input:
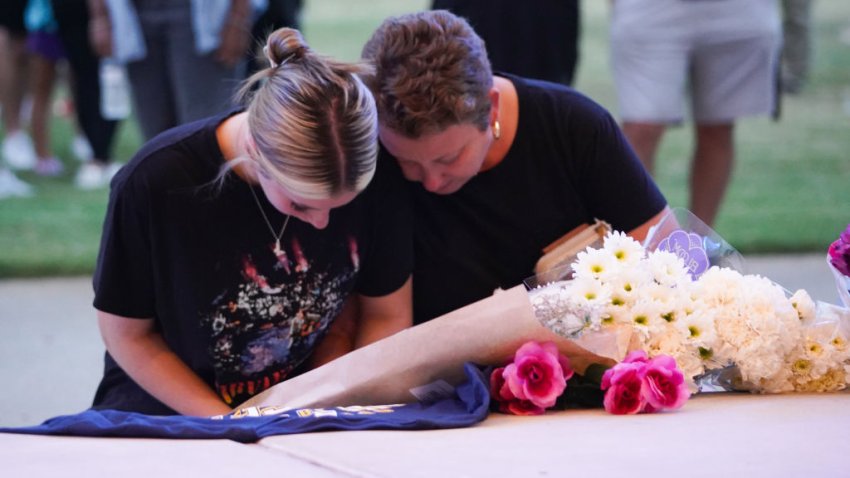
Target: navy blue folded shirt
x,y
467,407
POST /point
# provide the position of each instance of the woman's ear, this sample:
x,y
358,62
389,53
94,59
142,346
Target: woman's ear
x,y
494,104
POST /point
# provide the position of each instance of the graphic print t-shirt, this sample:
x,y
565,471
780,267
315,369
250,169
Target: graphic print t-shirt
x,y
199,260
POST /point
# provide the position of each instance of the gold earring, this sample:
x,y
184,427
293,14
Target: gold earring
x,y
497,130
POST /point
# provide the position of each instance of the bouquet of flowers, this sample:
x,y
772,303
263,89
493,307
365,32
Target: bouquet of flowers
x,y
725,330
675,313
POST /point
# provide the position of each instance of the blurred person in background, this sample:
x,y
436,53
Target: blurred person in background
x,y
796,44
534,39
16,149
47,52
184,58
721,55
74,25
278,14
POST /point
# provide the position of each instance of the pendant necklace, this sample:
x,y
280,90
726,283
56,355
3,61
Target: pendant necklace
x,y
278,251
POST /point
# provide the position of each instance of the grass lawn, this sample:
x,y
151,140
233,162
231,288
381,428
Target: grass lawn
x,y
788,191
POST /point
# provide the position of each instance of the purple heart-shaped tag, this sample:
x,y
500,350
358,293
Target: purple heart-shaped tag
x,y
688,246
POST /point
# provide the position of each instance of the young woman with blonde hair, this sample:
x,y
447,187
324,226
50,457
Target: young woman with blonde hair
x,y
232,243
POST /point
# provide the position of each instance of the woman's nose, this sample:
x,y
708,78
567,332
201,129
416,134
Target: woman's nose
x,y
319,219
432,181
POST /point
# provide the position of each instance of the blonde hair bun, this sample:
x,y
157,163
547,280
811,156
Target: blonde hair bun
x,y
285,44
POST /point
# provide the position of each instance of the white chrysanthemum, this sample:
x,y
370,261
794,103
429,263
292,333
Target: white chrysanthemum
x,y
805,306
617,314
625,249
645,315
699,330
594,264
591,290
667,268
631,281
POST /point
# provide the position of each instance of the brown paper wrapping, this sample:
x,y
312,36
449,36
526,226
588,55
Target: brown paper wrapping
x,y
487,332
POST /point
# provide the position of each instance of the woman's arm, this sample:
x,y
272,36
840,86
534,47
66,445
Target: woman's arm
x,y
235,33
141,352
364,320
340,337
383,316
100,28
639,233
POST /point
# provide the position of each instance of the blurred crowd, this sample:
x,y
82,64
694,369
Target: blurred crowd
x,y
176,61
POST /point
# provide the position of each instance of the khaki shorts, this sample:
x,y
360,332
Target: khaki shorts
x,y
722,54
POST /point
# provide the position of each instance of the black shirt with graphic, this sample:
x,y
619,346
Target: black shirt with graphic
x,y
568,164
198,258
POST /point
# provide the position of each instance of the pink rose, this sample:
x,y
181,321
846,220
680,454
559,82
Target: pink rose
x,y
623,384
508,403
636,356
538,374
664,384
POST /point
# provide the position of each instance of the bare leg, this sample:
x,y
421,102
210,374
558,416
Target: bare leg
x,y
43,76
644,138
13,69
711,170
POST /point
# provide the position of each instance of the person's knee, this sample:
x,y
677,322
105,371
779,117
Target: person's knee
x,y
643,132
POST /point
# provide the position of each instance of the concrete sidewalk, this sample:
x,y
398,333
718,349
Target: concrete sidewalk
x,y
51,352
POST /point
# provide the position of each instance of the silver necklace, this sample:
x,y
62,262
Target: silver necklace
x,y
280,253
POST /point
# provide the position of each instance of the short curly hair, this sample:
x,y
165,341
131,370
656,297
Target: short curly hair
x,y
431,72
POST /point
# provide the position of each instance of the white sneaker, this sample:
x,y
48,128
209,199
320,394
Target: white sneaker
x,y
111,170
92,175
81,148
49,167
11,186
18,150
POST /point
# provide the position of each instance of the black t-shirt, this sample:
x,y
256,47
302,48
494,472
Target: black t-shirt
x,y
199,260
568,164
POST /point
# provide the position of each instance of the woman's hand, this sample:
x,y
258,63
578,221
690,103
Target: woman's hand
x,y
340,337
364,320
235,34
141,352
100,28
383,316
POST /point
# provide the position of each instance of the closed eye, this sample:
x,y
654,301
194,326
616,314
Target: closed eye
x,y
299,207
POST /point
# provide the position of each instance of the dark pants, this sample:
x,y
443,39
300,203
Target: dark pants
x,y
73,19
535,39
